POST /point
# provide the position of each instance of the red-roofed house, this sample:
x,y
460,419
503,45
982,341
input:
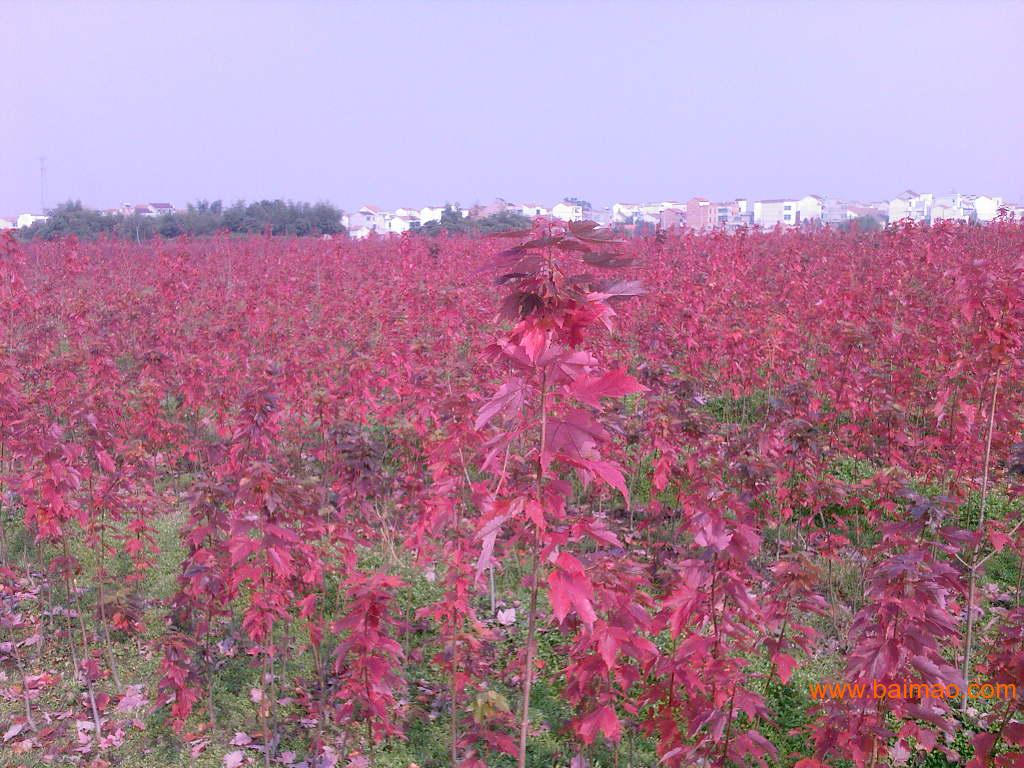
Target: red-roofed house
x,y
368,219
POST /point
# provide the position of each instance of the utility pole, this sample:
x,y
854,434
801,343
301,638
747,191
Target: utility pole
x,y
42,184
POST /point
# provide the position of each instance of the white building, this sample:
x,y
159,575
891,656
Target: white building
x,y
652,210
429,213
7,224
733,215
400,223
769,213
648,213
147,209
899,206
532,210
810,208
666,205
28,219
911,205
835,211
986,207
623,213
366,220
567,211
363,218
952,207
651,213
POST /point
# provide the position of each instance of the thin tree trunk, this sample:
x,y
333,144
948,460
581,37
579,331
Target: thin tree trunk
x,y
531,634
72,593
100,576
24,684
975,562
531,631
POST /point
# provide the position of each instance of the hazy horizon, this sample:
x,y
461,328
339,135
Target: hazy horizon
x,y
426,103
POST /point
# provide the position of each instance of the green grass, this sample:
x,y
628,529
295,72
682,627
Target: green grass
x,y
426,741
745,409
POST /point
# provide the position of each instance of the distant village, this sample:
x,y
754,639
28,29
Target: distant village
x,y
698,213
26,220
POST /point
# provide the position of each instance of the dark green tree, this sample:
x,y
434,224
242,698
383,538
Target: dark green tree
x,y
72,218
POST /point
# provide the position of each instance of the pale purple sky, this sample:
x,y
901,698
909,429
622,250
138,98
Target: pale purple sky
x,y
416,103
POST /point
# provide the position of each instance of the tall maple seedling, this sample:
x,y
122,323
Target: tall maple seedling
x,y
546,409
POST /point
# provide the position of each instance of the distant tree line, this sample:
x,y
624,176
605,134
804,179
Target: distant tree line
x,y
278,217
867,223
454,223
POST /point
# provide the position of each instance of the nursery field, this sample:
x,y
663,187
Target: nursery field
x,y
546,499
